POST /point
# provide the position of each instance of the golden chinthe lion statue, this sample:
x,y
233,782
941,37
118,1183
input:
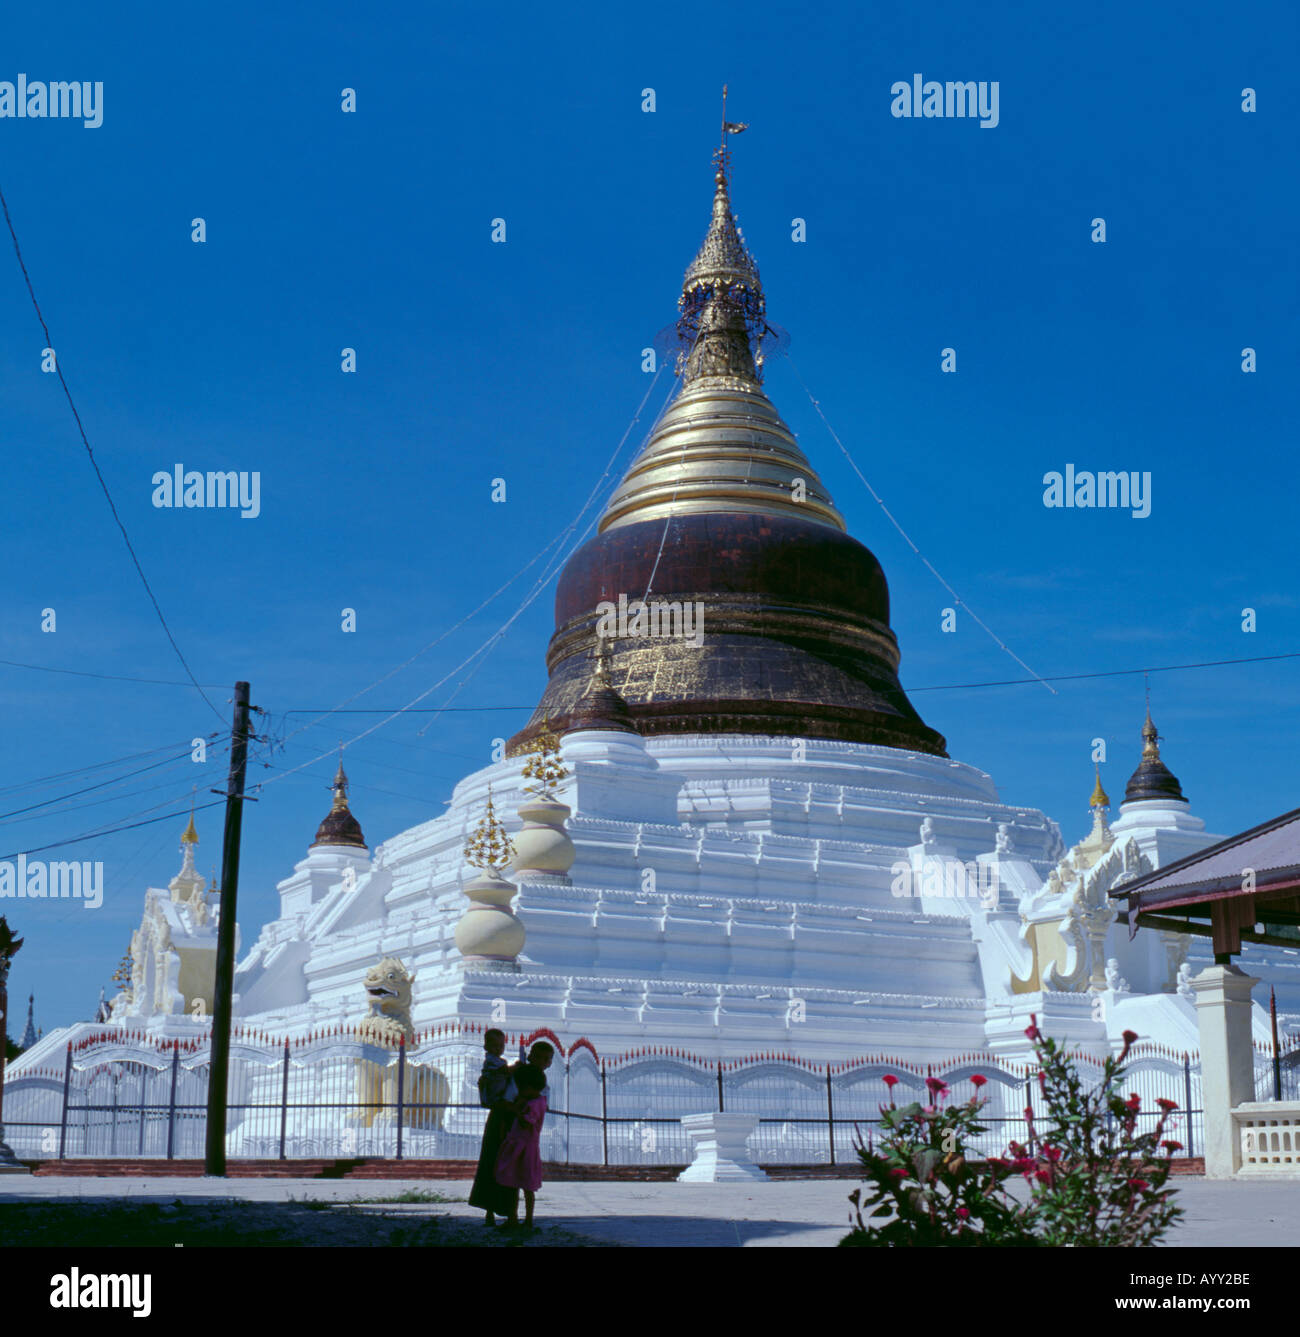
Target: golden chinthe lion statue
x,y
388,987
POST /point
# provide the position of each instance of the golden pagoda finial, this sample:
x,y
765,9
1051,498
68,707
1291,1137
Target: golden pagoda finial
x,y
1150,739
543,765
191,836
340,786
1099,797
489,848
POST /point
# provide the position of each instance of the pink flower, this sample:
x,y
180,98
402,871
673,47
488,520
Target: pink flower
x,y
977,1081
962,1213
890,1080
1167,1104
1052,1153
1032,1032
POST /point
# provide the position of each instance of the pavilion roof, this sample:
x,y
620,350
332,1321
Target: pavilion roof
x,y
1246,887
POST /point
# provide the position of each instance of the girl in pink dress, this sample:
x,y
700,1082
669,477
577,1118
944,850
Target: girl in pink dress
x,y
519,1166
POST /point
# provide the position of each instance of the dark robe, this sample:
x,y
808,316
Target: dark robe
x,y
487,1194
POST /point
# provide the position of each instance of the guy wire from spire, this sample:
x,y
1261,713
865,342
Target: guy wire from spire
x,y
501,631
970,612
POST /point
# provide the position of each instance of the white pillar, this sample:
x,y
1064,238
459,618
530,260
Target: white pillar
x,y
1223,1008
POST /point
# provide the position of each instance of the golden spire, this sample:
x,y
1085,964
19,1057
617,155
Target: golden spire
x,y
1150,740
721,445
489,848
1099,798
191,836
340,786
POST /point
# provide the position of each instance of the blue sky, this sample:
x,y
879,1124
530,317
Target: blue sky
x,y
371,230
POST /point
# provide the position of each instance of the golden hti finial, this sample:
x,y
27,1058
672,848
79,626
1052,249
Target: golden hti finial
x,y
1099,797
489,848
190,835
1150,739
543,766
723,155
340,786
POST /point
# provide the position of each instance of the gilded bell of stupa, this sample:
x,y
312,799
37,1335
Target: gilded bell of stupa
x,y
722,512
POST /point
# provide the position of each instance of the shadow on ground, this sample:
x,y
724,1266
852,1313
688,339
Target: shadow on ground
x,y
144,1223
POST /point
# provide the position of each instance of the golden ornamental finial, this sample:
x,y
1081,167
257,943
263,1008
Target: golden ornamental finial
x,y
1150,740
544,765
489,848
125,969
1099,797
340,786
190,835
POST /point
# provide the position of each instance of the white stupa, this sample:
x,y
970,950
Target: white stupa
x,y
756,842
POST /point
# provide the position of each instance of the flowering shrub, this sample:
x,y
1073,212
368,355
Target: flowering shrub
x,y
1095,1180
1103,1182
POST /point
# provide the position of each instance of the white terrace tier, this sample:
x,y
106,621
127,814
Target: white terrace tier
x,y
727,892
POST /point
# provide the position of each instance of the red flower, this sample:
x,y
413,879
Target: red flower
x,y
1052,1153
962,1213
1138,1184
1167,1104
1171,1147
1042,1176
1129,1037
1032,1032
890,1080
977,1081
1134,1102
936,1087
898,1174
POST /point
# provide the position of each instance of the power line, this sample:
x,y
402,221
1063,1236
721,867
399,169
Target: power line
x,y
111,831
1110,673
107,677
103,784
937,687
126,538
96,766
169,783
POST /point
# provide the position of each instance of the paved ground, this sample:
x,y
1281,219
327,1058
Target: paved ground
x,y
782,1213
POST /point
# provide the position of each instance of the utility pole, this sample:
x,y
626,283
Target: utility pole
x,y
215,1160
